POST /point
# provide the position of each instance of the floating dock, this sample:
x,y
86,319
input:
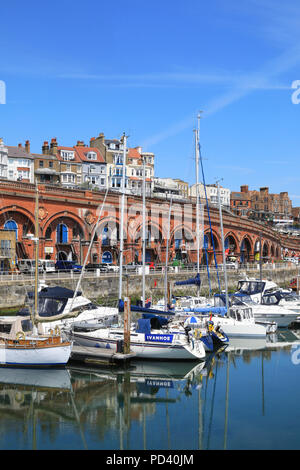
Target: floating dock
x,y
100,356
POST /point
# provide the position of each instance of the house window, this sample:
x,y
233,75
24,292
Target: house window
x,y
41,163
50,164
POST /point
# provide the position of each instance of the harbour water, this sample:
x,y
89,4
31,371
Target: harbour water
x,y
246,397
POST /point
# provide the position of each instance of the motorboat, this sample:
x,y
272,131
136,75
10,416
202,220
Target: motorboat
x,y
289,299
269,309
256,288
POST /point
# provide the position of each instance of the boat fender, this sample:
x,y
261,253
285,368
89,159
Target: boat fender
x,y
20,335
57,330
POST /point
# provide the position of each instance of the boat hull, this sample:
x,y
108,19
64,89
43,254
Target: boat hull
x,y
157,350
53,356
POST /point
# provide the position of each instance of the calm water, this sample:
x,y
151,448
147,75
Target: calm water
x,y
244,398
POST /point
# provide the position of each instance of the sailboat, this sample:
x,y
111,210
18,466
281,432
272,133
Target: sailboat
x,y
22,342
149,338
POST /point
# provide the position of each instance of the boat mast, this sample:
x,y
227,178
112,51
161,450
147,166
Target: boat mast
x,y
197,134
223,250
36,240
144,230
167,257
122,217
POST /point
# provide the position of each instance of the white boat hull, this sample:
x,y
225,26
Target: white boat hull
x,y
238,329
35,356
158,349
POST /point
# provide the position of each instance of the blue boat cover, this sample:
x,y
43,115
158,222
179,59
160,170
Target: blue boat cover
x,y
144,326
215,310
193,281
160,320
137,308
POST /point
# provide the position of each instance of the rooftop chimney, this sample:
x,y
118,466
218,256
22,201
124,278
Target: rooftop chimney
x,y
80,143
20,146
53,146
27,146
45,148
244,189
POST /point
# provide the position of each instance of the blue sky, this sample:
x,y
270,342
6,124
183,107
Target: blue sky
x,y
74,69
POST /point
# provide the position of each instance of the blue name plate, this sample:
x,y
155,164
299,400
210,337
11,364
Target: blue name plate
x,y
159,338
159,383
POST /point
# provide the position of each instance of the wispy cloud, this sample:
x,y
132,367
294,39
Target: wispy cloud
x,y
235,168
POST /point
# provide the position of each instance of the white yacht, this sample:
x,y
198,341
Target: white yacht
x,y
262,297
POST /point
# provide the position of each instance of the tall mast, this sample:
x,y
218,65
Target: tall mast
x,y
223,250
36,277
122,217
144,230
197,136
167,257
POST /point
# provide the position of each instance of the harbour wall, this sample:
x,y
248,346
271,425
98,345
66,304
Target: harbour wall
x,y
106,287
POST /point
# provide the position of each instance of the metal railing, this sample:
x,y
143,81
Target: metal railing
x,y
57,276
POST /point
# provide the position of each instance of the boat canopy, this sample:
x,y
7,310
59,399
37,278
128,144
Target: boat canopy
x,y
156,320
192,281
56,292
205,310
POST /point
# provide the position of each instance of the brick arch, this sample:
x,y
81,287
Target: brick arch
x,y
67,215
23,218
18,209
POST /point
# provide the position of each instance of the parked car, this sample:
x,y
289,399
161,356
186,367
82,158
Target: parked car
x,y
27,266
131,267
150,264
109,268
63,265
92,266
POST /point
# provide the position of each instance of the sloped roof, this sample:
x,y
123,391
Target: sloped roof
x,y
83,151
18,152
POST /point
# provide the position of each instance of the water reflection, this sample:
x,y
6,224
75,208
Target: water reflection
x,y
221,403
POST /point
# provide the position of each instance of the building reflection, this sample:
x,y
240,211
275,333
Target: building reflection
x,y
122,406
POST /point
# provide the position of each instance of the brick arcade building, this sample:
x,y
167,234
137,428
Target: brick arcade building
x,y
67,218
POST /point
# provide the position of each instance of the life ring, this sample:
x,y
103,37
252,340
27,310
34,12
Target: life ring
x,y
57,330
20,335
210,327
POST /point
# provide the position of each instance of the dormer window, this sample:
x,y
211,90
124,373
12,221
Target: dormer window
x,y
91,156
67,155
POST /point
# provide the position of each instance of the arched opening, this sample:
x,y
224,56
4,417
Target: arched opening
x,y
153,240
210,245
22,226
230,247
245,251
265,253
62,256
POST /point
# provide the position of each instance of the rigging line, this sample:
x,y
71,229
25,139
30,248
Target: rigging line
x,y
208,213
